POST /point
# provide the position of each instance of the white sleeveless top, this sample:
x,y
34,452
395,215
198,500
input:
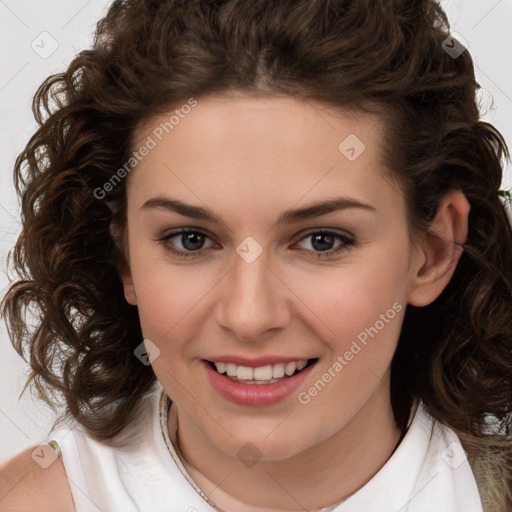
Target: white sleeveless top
x,y
427,472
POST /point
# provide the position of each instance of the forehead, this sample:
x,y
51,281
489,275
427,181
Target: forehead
x,y
275,149
253,123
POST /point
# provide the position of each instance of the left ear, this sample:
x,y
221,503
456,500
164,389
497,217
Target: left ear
x,y
439,251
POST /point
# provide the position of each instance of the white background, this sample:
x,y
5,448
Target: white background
x,y
484,24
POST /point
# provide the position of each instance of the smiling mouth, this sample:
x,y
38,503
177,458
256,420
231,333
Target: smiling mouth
x,y
268,374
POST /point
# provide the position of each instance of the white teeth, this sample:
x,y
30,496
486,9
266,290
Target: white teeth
x,y
231,369
278,371
221,367
244,373
301,365
262,373
290,368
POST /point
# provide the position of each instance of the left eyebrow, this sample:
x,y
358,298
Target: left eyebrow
x,y
288,217
322,208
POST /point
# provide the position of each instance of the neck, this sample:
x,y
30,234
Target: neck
x,y
317,477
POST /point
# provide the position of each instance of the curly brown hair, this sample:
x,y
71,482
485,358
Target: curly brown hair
x,y
148,56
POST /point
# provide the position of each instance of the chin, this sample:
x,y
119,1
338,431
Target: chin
x,y
262,448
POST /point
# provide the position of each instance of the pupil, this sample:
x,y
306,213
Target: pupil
x,y
325,245
192,241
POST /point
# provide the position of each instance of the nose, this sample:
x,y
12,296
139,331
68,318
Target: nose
x,y
253,300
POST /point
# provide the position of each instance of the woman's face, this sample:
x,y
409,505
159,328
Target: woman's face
x,y
304,256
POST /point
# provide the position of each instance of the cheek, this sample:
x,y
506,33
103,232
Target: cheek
x,y
355,297
168,298
364,314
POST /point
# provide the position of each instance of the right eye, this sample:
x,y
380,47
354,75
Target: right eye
x,y
191,242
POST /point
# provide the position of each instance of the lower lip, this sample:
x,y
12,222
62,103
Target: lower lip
x,y
255,394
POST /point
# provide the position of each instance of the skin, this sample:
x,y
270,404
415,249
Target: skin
x,y
249,159
26,486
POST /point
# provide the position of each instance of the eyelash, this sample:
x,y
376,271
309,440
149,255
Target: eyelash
x,y
347,242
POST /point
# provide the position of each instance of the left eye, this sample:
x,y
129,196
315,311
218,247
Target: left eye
x,y
323,240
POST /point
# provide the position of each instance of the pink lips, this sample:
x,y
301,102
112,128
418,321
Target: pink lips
x,y
255,394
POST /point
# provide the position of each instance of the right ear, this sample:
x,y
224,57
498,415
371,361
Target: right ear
x,y
129,290
123,264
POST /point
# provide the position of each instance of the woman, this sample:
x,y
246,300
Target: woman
x,y
269,252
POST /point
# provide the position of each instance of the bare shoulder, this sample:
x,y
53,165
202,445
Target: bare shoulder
x,y
34,479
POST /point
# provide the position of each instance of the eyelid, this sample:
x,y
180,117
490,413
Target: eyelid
x,y
298,237
183,231
333,231
348,240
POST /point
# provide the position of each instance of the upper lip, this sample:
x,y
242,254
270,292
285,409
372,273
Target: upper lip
x,y
255,362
